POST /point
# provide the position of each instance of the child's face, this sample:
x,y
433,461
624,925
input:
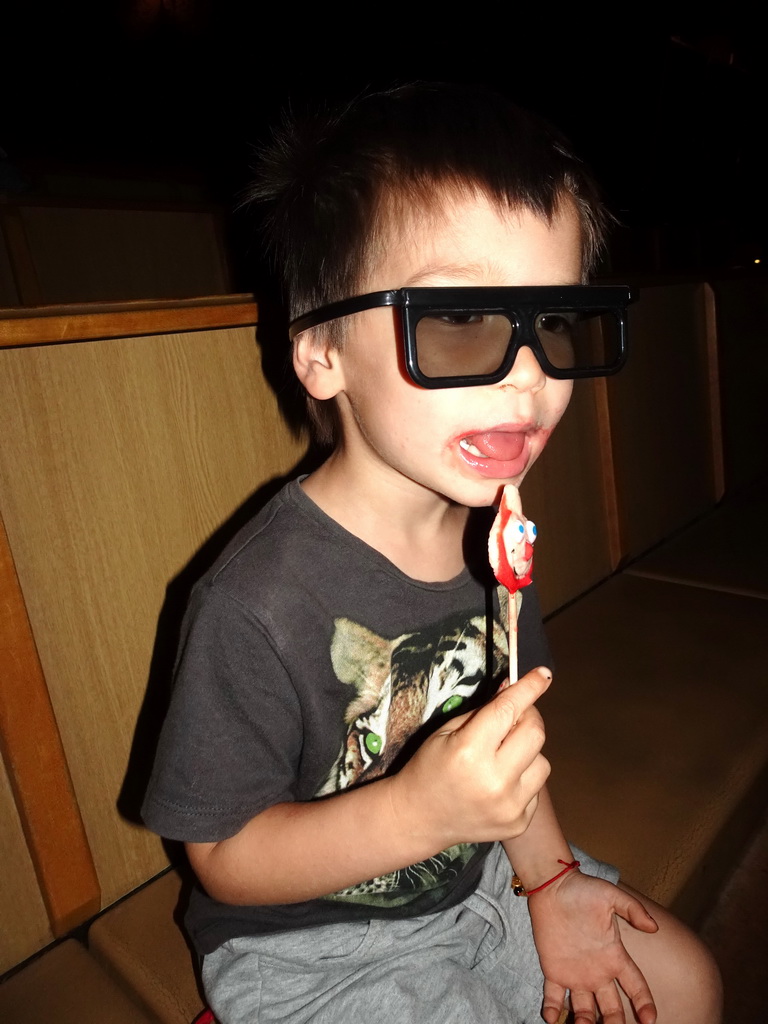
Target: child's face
x,y
460,443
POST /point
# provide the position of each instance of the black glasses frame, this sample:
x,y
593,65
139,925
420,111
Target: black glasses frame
x,y
520,304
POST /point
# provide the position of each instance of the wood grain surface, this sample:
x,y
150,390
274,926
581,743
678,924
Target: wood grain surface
x,y
667,462
46,325
568,494
120,461
38,774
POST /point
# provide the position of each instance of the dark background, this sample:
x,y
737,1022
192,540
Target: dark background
x,y
670,114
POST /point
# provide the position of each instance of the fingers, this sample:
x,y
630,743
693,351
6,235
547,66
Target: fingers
x,y
608,1004
632,983
583,1008
477,776
636,989
554,1001
512,726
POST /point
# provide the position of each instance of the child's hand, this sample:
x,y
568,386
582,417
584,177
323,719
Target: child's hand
x,y
576,931
476,779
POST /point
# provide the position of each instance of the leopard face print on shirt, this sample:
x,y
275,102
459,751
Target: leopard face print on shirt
x,y
401,685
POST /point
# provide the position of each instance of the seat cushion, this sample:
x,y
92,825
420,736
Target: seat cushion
x,y
68,986
657,732
141,942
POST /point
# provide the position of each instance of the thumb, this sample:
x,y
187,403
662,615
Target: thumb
x,y
517,697
632,910
505,709
501,714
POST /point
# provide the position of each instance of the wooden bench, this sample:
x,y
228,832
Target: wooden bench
x,y
656,607
68,986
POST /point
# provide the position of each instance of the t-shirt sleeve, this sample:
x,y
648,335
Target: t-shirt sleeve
x,y
231,741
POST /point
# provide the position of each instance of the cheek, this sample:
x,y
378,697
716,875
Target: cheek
x,y
554,398
386,415
557,395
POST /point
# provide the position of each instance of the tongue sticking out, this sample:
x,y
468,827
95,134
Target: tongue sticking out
x,y
498,444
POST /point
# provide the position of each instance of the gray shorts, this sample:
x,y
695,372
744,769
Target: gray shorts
x,y
473,964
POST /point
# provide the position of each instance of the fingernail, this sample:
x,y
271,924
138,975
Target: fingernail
x,y
546,673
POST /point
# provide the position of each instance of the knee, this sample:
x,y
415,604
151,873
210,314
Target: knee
x,y
703,982
680,970
684,979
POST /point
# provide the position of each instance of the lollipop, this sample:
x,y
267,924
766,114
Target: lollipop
x,y
510,551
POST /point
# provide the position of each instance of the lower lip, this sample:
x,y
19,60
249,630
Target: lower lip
x,y
497,469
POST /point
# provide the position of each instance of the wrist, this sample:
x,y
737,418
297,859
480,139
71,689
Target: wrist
x,y
410,821
538,862
567,866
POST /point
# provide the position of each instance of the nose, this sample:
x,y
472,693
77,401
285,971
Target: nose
x,y
526,373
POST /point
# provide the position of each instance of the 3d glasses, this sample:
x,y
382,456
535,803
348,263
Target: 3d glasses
x,y
464,337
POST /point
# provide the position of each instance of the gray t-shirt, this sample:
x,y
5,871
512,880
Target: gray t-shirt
x,y
309,663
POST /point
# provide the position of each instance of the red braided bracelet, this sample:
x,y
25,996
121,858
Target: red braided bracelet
x,y
519,889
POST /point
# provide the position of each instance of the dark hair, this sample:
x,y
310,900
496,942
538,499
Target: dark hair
x,y
329,186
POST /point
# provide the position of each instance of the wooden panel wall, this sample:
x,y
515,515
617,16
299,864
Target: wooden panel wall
x,y
24,926
569,495
69,253
742,328
9,295
119,460
664,417
38,774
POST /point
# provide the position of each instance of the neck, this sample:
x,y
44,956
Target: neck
x,y
421,532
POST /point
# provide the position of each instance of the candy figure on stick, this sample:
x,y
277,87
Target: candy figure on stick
x,y
510,551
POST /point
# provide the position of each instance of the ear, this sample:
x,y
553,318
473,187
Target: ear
x,y
318,365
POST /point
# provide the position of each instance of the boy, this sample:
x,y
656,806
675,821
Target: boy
x,y
350,784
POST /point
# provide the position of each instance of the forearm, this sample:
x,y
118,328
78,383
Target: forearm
x,y
472,780
300,851
535,853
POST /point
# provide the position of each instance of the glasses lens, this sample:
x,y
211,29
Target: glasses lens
x,y
474,343
451,344
579,339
